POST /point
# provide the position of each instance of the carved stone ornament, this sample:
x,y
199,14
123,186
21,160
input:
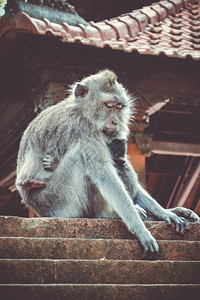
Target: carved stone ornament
x,y
56,11
143,142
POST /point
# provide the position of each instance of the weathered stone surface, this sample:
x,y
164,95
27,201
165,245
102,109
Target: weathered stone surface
x,y
45,258
127,272
98,271
26,271
106,292
62,248
88,228
38,227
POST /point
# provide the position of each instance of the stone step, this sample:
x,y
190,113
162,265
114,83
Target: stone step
x,y
103,291
88,228
26,271
74,248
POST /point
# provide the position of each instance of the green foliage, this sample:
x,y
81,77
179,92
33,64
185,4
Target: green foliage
x,y
2,5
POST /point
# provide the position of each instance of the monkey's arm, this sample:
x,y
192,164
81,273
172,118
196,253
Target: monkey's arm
x,y
145,201
106,179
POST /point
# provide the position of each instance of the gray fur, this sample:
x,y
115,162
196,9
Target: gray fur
x,y
82,180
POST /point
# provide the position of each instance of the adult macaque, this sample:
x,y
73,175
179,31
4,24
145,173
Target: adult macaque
x,y
69,165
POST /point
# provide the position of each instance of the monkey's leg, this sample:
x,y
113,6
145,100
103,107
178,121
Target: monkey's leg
x,y
65,194
31,173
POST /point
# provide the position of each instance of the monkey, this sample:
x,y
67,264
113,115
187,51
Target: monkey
x,y
65,167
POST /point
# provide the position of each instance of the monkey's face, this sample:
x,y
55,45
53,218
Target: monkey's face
x,y
105,103
112,110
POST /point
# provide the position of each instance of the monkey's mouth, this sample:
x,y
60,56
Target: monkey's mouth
x,y
110,131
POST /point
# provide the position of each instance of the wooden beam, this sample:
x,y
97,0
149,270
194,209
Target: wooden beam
x,y
6,180
173,148
189,185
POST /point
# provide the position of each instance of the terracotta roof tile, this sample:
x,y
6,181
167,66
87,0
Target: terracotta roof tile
x,y
161,11
178,4
120,28
171,27
108,32
140,17
169,6
152,15
131,24
72,30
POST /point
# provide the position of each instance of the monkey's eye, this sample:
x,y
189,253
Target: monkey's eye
x,y
119,105
108,104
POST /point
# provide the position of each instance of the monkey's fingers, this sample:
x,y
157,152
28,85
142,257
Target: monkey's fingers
x,y
181,223
191,216
150,247
32,184
48,161
186,213
151,250
48,165
168,221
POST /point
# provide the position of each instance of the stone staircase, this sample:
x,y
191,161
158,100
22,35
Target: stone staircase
x,y
42,258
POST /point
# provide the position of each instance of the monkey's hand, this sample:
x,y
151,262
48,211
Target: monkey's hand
x,y
149,244
180,222
185,213
142,212
48,163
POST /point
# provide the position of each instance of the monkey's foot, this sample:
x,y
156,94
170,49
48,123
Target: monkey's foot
x,y
32,184
142,213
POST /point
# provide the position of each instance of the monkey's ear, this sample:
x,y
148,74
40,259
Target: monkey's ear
x,y
81,90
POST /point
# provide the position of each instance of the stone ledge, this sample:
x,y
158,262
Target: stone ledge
x,y
88,228
98,271
104,291
74,248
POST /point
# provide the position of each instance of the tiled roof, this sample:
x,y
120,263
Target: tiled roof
x,y
171,27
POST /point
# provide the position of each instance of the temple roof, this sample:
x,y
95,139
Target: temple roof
x,y
170,27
